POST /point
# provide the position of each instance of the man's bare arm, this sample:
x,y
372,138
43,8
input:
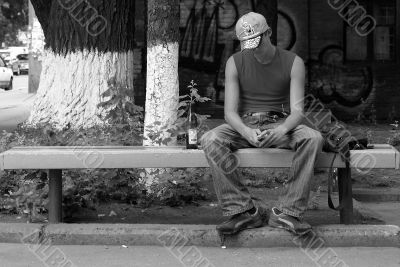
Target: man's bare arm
x,y
232,95
297,82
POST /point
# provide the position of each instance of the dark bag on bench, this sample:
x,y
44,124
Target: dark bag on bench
x,y
339,140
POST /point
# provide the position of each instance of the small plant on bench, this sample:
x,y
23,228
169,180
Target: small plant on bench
x,y
178,128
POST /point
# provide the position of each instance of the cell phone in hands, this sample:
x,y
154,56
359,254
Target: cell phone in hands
x,y
262,135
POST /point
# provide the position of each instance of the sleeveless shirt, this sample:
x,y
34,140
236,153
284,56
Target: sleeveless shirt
x,y
264,87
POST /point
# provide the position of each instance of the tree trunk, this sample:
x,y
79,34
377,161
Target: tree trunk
x,y
162,90
71,86
87,44
269,9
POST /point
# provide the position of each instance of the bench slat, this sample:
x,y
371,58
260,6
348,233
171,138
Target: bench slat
x,y
382,156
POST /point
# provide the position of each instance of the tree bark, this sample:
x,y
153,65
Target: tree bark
x,y
71,86
162,92
162,89
87,44
42,11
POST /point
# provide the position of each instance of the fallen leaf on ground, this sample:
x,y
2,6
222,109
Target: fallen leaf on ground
x,y
112,213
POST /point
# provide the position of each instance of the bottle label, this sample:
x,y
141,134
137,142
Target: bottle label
x,y
192,136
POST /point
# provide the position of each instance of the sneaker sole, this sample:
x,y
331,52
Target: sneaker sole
x,y
280,226
250,226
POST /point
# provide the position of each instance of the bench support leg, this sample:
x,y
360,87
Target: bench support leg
x,y
345,195
55,196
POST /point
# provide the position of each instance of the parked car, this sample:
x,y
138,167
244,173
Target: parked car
x,y
6,55
6,76
20,64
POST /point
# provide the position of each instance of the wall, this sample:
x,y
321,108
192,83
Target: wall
x,y
348,88
293,26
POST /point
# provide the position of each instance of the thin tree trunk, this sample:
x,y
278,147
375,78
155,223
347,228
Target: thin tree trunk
x,y
162,92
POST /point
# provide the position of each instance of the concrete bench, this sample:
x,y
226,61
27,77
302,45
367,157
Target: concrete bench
x,y
55,159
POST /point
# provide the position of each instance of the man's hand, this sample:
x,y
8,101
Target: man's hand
x,y
252,136
273,137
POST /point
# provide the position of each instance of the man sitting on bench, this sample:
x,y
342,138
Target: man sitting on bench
x,y
262,83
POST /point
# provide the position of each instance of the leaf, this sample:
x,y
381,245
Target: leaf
x,y
183,104
171,131
203,99
167,140
110,174
107,93
181,113
194,92
202,118
112,214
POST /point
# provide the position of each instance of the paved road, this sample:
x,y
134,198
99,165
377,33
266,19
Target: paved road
x,y
14,255
15,104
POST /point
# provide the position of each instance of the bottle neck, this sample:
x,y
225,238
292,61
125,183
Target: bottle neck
x,y
192,111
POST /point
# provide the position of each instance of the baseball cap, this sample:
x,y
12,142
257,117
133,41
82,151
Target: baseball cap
x,y
249,28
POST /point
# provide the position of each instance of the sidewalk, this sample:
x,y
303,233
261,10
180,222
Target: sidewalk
x,y
14,111
12,255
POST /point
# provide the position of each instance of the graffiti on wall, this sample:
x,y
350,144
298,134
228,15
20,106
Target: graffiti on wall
x,y
208,40
338,85
208,36
287,35
201,35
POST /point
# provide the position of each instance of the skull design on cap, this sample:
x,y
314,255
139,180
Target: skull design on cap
x,y
247,28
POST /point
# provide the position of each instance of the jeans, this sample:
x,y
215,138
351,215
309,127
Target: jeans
x,y
219,146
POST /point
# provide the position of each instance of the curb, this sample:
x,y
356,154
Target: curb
x,y
199,235
20,233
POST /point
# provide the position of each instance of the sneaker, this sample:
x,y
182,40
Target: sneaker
x,y
240,222
278,219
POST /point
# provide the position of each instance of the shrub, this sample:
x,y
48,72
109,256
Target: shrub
x,y
26,192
